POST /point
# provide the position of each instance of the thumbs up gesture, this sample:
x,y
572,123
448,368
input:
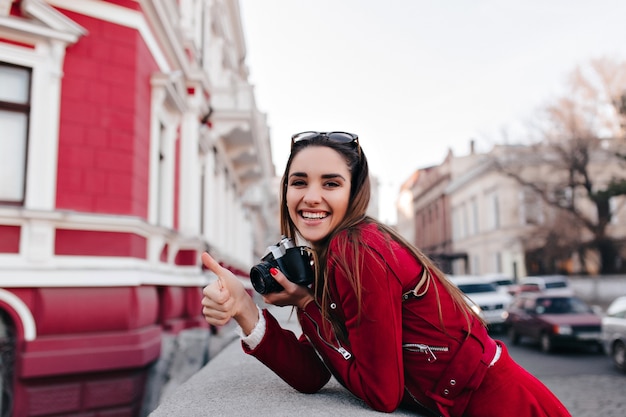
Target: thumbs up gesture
x,y
227,298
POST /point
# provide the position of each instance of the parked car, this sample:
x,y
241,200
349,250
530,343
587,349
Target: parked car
x,y
503,283
484,298
614,332
554,320
546,283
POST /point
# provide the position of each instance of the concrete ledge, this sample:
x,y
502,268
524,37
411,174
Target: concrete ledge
x,y
236,384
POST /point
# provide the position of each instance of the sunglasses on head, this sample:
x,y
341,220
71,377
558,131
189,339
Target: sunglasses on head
x,y
337,137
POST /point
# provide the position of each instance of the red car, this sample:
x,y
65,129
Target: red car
x,y
554,320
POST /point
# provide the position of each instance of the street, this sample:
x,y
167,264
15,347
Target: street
x,y
585,381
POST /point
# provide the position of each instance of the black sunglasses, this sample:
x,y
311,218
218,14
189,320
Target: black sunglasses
x,y
337,137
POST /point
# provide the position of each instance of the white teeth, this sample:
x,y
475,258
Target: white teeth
x,y
309,215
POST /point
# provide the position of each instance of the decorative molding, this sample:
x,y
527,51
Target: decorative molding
x,y
98,277
5,7
23,312
41,11
119,15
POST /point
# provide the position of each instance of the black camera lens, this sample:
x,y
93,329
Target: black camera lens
x,y
262,280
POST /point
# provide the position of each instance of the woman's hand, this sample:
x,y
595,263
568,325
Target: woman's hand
x,y
227,298
292,295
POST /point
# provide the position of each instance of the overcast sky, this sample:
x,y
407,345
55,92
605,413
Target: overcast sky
x,y
414,78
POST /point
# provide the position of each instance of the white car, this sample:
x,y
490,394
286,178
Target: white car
x,y
546,283
503,283
614,332
484,296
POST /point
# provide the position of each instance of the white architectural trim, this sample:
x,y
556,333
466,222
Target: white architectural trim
x,y
52,18
26,317
89,278
50,32
188,172
168,107
31,30
118,15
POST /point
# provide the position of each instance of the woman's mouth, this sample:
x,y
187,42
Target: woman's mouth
x,y
317,215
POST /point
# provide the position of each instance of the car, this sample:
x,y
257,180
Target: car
x,y
546,283
484,298
614,332
554,320
503,283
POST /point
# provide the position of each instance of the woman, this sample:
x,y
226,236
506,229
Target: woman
x,y
379,316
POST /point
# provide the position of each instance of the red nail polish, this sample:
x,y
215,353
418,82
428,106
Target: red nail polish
x,y
273,271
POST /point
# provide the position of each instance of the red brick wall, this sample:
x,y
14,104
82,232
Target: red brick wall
x,y
10,239
98,243
105,121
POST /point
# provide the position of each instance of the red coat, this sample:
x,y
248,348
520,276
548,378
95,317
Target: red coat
x,y
397,353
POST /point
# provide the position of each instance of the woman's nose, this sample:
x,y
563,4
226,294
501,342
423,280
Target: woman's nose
x,y
312,195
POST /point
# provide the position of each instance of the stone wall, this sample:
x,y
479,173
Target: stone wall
x,y
182,356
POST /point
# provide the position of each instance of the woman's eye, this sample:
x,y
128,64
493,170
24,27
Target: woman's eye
x,y
298,183
332,184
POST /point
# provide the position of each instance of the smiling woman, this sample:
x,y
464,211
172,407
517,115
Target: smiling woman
x,y
318,191
379,316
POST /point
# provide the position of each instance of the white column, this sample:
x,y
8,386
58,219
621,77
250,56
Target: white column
x,y
37,238
189,203
237,241
220,197
210,198
166,203
44,133
228,219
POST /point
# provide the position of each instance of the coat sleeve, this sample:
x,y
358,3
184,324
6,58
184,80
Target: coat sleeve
x,y
371,365
292,359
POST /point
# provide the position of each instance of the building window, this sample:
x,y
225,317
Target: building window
x,y
493,213
564,197
615,204
14,115
498,262
465,220
475,265
531,208
456,223
162,175
474,216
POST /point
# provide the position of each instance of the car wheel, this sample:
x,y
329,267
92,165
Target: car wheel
x,y
514,336
546,343
619,355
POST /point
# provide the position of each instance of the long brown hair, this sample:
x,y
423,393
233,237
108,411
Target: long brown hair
x,y
355,214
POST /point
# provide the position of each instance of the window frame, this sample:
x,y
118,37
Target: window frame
x,y
26,109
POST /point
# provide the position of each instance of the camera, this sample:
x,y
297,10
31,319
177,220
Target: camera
x,y
293,261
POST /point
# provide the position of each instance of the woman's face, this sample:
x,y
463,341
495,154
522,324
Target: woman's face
x,y
318,191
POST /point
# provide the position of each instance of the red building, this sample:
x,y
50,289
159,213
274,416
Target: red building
x,y
129,143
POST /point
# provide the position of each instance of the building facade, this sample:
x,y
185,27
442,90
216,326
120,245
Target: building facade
x,y
498,225
130,142
484,215
425,218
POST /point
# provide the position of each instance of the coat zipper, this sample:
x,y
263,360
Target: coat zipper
x,y
423,348
342,351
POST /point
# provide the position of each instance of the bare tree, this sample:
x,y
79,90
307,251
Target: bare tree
x,y
578,162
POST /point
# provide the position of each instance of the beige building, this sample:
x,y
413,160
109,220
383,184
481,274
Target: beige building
x,y
499,225
485,218
424,213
